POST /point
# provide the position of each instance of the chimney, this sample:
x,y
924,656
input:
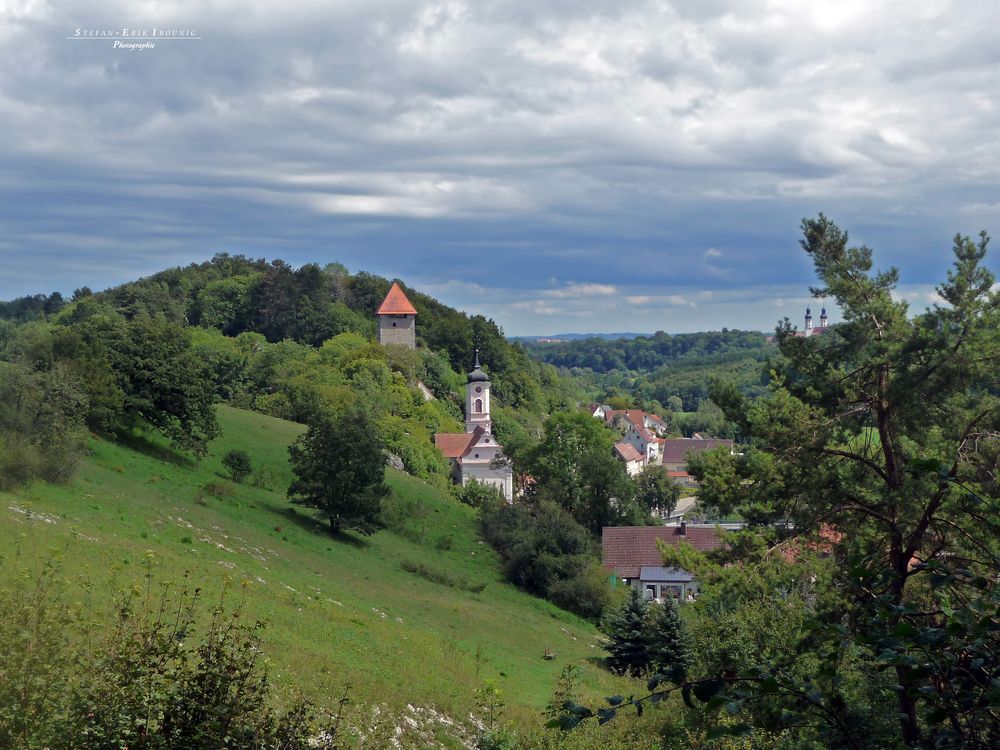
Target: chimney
x,y
683,528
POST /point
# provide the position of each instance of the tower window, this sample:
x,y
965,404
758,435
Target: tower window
x,y
479,406
393,325
479,389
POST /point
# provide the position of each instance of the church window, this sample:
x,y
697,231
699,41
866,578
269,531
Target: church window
x,y
477,455
393,325
479,406
479,389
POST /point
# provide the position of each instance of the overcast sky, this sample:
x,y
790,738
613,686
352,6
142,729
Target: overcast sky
x,y
560,165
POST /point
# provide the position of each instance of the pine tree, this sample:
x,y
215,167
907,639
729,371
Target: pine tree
x,y
628,636
669,644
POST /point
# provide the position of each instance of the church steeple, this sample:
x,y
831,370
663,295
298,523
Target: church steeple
x,y
822,318
809,320
477,399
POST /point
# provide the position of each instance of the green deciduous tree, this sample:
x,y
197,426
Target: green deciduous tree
x,y
339,465
656,492
165,384
573,467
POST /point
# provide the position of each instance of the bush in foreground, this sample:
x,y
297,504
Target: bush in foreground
x,y
155,681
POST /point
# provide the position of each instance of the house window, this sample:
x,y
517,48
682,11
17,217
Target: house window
x,y
479,406
393,325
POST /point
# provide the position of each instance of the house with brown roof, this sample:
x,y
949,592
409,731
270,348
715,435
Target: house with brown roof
x,y
633,460
676,450
631,554
642,439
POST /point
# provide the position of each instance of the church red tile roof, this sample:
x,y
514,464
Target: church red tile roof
x,y
396,302
625,549
454,444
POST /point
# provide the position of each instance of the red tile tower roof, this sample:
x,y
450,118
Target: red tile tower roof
x,y
396,303
627,548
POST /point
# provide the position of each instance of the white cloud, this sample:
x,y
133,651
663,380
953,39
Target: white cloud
x,y
582,291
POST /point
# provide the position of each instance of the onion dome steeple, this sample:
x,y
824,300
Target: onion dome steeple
x,y
477,375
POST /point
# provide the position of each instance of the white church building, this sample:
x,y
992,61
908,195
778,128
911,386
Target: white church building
x,y
475,453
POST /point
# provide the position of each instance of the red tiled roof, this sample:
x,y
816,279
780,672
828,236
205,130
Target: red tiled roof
x,y
626,452
627,548
829,537
396,302
678,474
454,444
675,450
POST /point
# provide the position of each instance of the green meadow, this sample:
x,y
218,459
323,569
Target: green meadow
x,y
414,614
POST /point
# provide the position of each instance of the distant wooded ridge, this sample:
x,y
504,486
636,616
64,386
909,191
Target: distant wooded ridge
x,y
551,337
649,352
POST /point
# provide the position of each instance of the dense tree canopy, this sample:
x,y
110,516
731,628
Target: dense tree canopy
x,y
573,466
339,465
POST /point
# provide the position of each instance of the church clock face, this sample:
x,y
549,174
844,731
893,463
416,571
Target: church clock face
x,y
479,389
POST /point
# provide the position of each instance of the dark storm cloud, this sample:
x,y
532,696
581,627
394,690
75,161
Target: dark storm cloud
x,y
651,159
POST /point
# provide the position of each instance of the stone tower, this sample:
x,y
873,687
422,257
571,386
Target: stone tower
x,y
809,321
477,399
823,320
397,319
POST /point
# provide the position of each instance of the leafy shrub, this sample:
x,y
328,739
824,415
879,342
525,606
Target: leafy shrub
x,y
20,462
153,681
41,424
238,464
478,495
546,552
218,489
586,593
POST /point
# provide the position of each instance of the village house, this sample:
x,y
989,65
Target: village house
x,y
643,436
633,460
676,451
630,554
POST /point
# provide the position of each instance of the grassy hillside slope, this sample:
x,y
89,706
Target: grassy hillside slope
x,y
338,610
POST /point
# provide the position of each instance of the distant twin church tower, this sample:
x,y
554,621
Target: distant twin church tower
x,y
475,453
